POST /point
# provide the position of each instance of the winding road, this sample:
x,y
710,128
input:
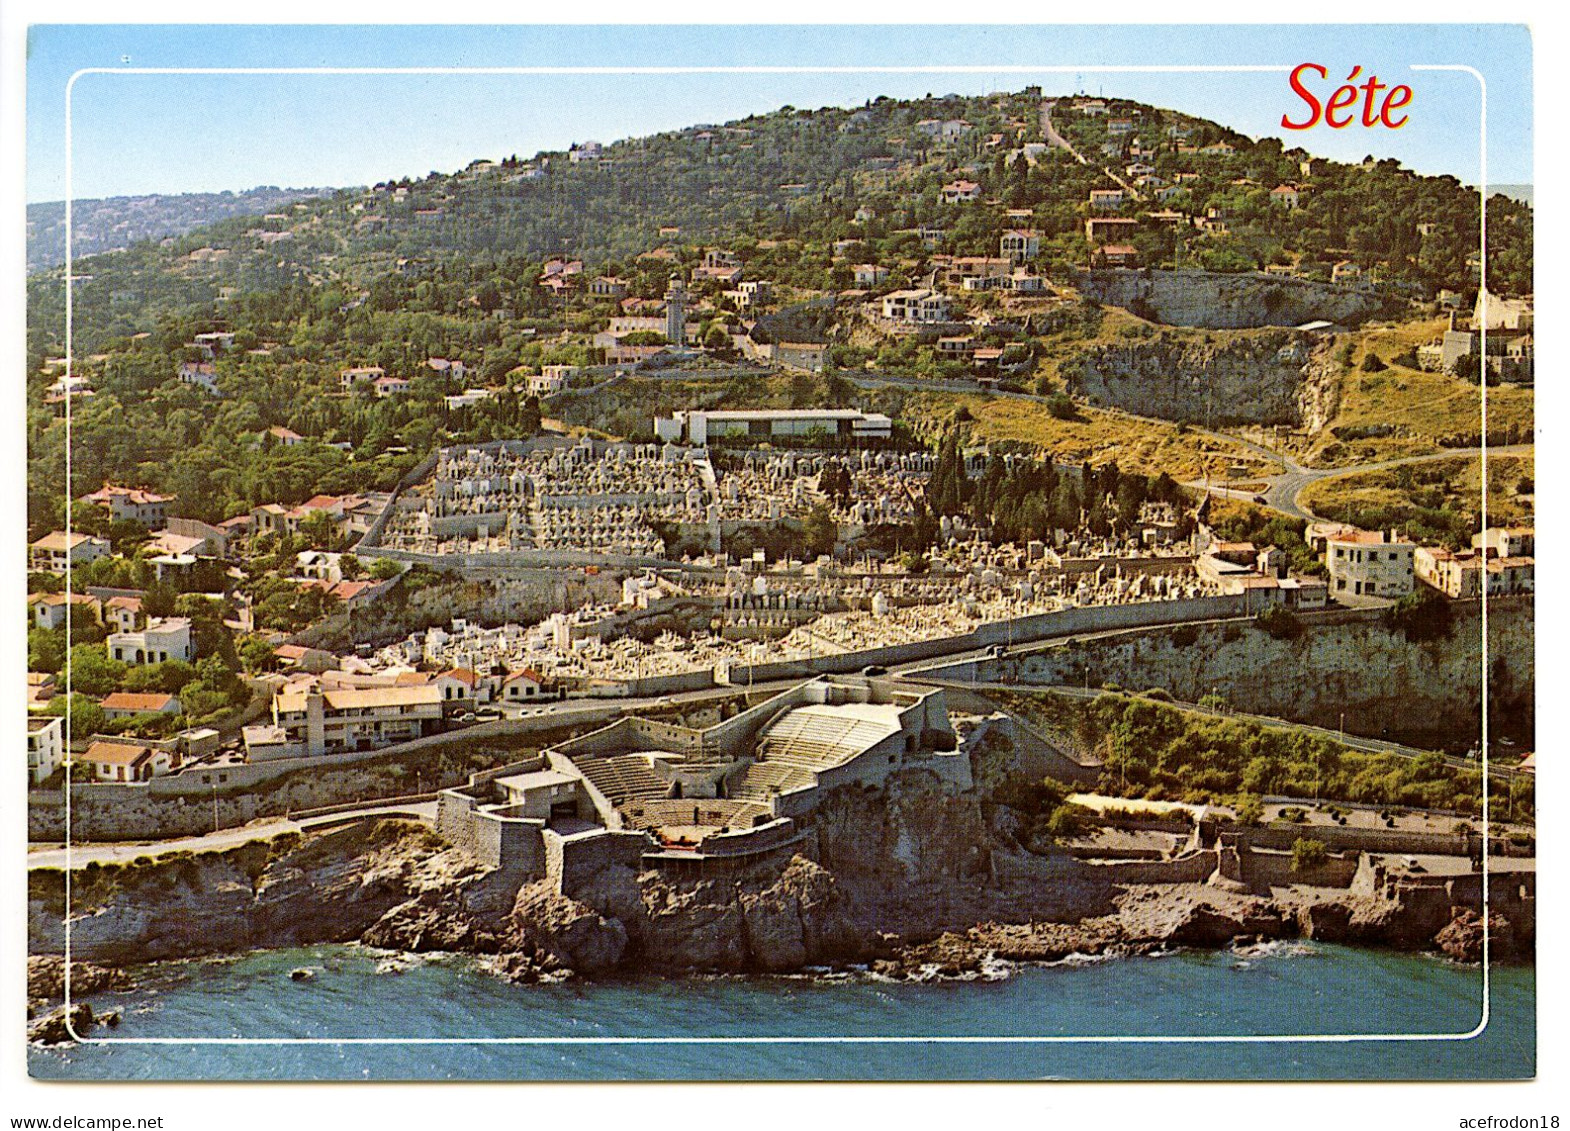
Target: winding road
x,y
1283,491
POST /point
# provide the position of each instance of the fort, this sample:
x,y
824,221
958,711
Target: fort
x,y
697,802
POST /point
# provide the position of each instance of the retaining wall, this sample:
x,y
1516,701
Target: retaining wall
x,y
1194,868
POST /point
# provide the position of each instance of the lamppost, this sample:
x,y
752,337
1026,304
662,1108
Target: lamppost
x,y
215,806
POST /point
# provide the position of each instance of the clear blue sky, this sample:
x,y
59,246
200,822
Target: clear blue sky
x,y
180,133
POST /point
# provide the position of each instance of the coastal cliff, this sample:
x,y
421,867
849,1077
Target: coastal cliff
x,y
914,879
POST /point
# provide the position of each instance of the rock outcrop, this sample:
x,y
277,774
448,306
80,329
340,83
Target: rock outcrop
x,y
1228,301
912,878
1267,377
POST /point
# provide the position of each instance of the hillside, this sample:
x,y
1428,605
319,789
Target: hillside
x,y
117,222
799,175
491,266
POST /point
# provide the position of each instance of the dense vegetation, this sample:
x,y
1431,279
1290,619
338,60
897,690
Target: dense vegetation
x,y
1026,498
1160,752
119,221
448,266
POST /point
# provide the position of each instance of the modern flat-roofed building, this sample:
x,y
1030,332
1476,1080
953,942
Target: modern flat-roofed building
x,y
161,640
698,427
45,746
1506,541
917,306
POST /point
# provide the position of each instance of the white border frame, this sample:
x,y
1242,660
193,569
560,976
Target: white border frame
x,y
1022,69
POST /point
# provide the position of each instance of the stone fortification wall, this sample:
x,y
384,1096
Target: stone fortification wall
x,y
1338,838
184,805
1192,868
1229,301
1261,871
572,862
1422,694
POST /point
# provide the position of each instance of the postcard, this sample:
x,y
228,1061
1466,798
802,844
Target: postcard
x,y
605,553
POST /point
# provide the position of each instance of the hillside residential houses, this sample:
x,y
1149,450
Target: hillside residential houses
x,y
1507,541
1101,198
1285,195
869,274
201,374
1500,563
45,746
122,613
467,399
961,192
918,306
49,609
113,760
1108,229
56,550
160,640
132,504
442,367
124,704
389,386
1366,563
1019,244
349,378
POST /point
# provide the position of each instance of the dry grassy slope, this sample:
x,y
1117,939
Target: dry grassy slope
x,y
1456,482
1423,407
1097,436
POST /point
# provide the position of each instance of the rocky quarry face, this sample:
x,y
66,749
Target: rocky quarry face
x,y
1227,301
1270,377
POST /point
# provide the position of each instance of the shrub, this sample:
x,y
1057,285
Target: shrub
x,y
1308,854
1421,615
1372,363
1250,810
1160,694
1061,405
1280,622
1184,635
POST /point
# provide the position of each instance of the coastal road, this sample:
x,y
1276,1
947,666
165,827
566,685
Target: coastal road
x,y
123,852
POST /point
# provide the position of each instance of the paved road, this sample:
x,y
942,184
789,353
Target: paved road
x,y
120,852
123,851
1055,138
1283,491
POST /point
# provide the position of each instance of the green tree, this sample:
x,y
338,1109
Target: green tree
x,y
45,650
258,655
92,672
1308,854
820,532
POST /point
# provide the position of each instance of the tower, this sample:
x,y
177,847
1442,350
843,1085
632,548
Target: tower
x,y
676,312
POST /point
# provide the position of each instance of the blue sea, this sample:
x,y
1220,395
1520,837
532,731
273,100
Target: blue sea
x,y
1293,988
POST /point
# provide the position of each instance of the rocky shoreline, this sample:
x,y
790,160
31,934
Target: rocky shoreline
x,y
910,883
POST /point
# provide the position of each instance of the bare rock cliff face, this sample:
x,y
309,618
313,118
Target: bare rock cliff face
x,y
1273,377
329,888
1219,301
